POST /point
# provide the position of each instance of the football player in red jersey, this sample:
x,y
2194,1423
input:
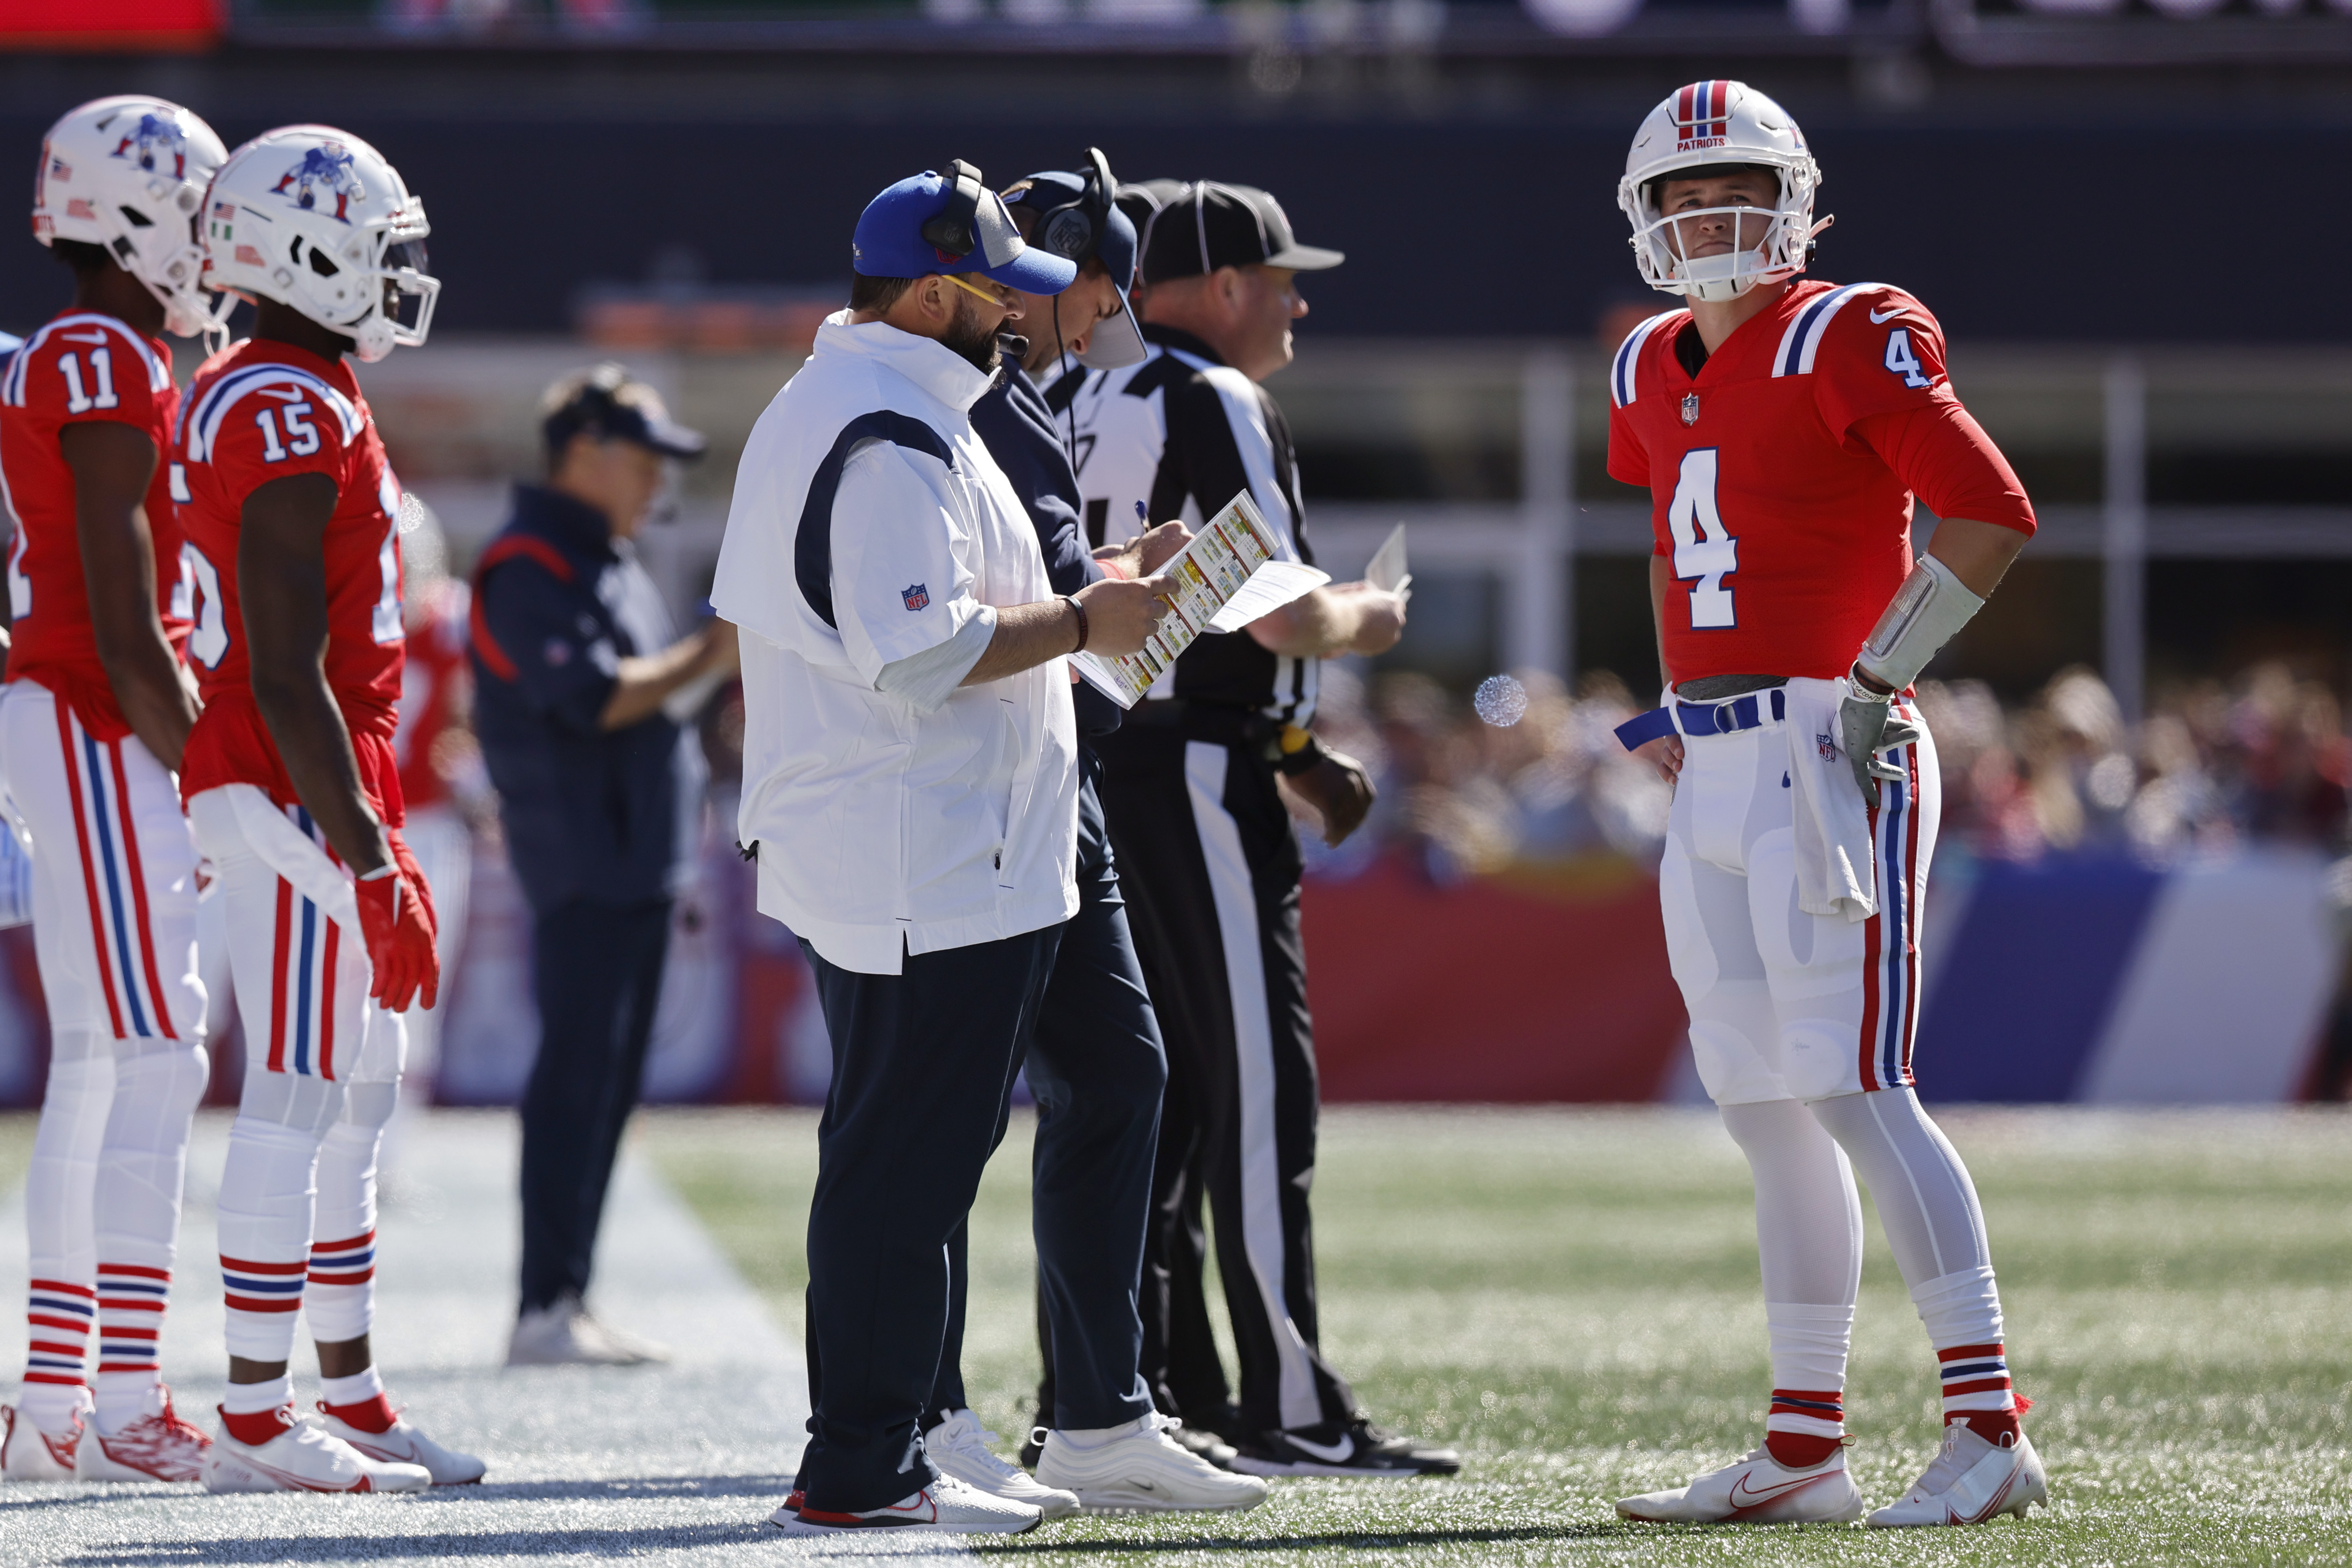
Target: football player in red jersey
x,y
293,516
1783,428
98,707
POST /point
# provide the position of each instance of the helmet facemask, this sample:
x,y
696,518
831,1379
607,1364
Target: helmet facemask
x,y
1779,252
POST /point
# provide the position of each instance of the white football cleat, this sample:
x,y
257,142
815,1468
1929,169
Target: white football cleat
x,y
960,1448
946,1507
1970,1480
1145,1471
405,1445
1758,1489
160,1446
304,1458
29,1454
565,1334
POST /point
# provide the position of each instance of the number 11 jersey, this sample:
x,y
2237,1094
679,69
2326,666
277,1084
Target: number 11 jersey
x,y
1781,475
259,411
83,368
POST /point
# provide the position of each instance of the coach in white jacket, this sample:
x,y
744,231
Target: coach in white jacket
x,y
910,791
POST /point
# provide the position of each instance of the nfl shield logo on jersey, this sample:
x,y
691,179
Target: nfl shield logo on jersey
x,y
915,597
1826,747
1690,407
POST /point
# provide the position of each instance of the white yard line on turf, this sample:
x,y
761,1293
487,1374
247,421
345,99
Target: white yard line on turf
x,y
676,1464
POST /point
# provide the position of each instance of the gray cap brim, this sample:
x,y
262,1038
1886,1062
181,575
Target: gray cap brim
x,y
1116,340
672,439
1307,258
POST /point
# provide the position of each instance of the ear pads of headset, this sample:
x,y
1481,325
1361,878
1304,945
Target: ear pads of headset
x,y
953,232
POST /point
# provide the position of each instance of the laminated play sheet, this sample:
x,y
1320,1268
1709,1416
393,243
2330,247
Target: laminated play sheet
x,y
1227,577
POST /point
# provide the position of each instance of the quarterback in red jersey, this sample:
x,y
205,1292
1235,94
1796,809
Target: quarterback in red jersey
x,y
1784,428
292,517
96,712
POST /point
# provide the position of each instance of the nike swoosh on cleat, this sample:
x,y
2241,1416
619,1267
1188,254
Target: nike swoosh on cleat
x,y
1744,1497
1330,1454
1877,319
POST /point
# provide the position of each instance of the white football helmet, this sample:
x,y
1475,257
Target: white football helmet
x,y
1716,123
313,217
128,174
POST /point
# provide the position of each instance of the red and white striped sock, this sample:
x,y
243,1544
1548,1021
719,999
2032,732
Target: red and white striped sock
x,y
1806,1423
1804,1426
341,1299
1977,1390
57,1317
359,1401
131,1299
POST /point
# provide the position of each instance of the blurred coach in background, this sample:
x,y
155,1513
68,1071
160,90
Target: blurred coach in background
x,y
583,690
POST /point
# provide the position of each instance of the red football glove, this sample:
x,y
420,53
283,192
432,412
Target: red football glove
x,y
406,858
396,922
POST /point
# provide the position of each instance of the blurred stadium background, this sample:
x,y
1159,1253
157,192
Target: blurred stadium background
x,y
2119,209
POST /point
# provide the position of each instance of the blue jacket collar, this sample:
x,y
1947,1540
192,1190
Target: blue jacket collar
x,y
558,518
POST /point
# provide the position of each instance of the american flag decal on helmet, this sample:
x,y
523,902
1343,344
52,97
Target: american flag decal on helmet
x,y
1702,113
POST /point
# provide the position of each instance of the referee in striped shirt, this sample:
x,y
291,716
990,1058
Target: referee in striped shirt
x,y
1207,854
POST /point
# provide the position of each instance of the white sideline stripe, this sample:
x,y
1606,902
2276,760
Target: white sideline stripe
x,y
1230,884
674,1464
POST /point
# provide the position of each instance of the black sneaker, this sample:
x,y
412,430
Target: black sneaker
x,y
1344,1448
1031,1450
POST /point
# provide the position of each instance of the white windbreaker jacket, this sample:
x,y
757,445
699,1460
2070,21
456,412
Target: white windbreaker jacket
x,y
870,526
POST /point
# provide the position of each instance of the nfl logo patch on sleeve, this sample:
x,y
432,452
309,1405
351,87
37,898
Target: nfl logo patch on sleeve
x,y
917,597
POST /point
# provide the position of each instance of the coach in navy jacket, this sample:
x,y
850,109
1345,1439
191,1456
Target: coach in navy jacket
x,y
575,663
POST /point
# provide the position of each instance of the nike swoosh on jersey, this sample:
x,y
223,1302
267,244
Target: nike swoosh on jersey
x,y
1743,1496
91,337
1875,319
283,394
1330,1454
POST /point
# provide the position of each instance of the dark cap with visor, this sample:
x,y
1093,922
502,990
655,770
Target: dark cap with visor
x,y
1074,219
605,405
1208,225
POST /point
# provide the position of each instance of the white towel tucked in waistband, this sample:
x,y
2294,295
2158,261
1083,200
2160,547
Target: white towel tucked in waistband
x,y
1833,823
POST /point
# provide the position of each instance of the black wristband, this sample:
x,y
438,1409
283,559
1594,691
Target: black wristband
x,y
1084,630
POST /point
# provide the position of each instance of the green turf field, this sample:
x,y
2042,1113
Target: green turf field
x,y
1571,1297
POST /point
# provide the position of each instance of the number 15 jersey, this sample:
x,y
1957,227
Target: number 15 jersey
x,y
259,411
1781,475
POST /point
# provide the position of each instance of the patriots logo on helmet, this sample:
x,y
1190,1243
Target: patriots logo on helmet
x,y
326,167
916,597
1700,112
155,134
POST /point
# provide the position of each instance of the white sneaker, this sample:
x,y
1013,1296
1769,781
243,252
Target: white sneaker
x,y
1758,1489
946,1507
29,1454
160,1446
1970,1480
304,1458
405,1445
960,1448
564,1334
1145,1471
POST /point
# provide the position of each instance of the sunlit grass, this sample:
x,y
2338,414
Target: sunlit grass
x,y
1571,1297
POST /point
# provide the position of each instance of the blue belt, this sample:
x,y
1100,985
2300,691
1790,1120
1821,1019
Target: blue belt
x,y
1703,718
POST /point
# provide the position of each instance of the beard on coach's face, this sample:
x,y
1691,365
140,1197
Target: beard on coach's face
x,y
974,338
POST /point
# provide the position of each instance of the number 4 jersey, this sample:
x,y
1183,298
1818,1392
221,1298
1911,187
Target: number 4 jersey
x,y
259,411
82,368
1781,470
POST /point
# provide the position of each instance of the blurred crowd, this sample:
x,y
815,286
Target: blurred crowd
x,y
1528,772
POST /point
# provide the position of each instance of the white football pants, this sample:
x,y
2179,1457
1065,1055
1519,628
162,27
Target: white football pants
x,y
1802,1027
114,902
322,1078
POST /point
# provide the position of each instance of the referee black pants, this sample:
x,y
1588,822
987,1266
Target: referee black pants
x,y
1210,870
923,1063
1097,1070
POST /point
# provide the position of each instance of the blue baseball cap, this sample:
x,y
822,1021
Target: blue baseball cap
x,y
1070,224
890,240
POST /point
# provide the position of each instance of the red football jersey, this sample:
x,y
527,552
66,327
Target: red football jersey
x,y
1786,529
81,368
259,411
434,687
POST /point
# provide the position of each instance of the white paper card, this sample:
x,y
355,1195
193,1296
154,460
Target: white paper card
x,y
1387,568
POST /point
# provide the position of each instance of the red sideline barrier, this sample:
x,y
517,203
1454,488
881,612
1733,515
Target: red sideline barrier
x,y
1529,988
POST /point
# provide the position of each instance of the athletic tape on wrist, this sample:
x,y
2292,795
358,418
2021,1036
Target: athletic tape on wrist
x,y
1931,606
